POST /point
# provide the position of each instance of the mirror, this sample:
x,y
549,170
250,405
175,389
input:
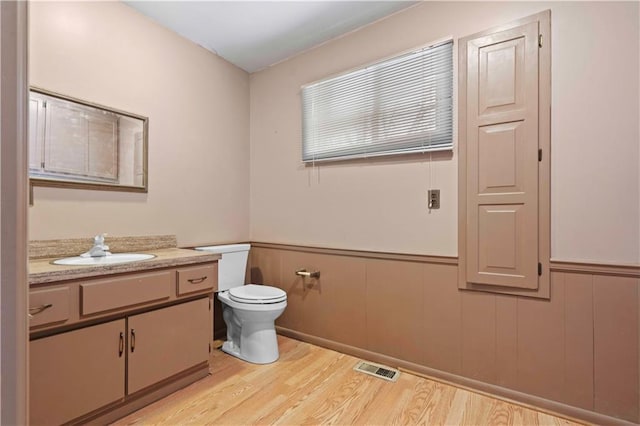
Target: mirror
x,y
78,144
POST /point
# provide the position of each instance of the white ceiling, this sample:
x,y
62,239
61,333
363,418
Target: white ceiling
x,y
256,34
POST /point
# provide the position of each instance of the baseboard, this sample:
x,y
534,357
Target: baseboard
x,y
515,397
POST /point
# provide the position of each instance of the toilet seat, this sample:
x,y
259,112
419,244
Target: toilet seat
x,y
257,294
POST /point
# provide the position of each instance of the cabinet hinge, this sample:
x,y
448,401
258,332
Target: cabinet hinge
x,y
540,155
539,40
44,104
539,269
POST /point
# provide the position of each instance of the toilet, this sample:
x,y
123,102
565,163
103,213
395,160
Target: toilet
x,y
249,311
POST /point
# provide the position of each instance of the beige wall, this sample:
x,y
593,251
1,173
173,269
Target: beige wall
x,y
198,109
381,205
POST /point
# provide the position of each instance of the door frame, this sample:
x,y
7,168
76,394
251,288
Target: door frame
x,y
14,328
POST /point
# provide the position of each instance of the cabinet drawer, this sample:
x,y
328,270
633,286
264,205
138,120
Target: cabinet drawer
x,y
48,306
106,295
197,278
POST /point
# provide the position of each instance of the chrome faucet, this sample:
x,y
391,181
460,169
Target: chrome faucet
x,y
99,248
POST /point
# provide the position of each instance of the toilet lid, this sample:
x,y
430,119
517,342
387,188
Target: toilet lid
x,y
252,293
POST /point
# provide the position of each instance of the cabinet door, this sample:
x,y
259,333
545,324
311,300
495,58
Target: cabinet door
x,y
502,162
504,154
166,342
74,373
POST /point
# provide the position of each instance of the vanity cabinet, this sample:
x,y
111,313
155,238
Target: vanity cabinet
x,y
103,347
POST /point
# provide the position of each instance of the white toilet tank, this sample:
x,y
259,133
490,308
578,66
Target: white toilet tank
x,y
232,265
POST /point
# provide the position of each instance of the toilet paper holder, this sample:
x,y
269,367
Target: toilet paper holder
x,y
305,273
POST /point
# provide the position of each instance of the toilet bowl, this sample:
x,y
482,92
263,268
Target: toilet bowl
x,y
251,333
249,311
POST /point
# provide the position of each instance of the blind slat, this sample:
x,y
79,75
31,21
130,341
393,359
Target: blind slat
x,y
402,105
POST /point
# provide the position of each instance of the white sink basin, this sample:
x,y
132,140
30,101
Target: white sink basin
x,y
112,259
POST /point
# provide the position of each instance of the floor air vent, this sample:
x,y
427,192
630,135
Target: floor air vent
x,y
376,370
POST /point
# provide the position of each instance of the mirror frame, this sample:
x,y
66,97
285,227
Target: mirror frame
x,y
70,183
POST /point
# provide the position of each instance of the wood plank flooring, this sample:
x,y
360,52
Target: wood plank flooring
x,y
310,385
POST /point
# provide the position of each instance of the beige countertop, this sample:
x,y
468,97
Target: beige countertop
x,y
42,271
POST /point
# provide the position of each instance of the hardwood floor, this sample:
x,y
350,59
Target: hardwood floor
x,y
310,385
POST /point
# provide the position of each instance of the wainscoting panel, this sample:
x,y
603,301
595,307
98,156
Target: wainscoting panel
x,y
395,308
320,307
442,318
541,343
616,345
576,351
578,332
479,336
304,303
341,286
270,266
507,341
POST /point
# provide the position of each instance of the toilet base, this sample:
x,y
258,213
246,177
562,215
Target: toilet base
x,y
233,350
251,333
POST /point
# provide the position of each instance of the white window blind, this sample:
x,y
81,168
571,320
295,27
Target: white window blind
x,y
397,106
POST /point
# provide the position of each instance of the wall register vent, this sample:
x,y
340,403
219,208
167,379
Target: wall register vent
x,y
376,370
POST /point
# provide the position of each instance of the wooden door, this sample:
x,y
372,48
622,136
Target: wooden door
x,y
500,141
74,373
167,341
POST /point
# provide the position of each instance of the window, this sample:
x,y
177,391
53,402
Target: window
x,y
397,106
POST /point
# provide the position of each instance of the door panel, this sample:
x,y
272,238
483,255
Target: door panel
x,y
500,156
502,161
76,372
166,342
501,66
502,252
